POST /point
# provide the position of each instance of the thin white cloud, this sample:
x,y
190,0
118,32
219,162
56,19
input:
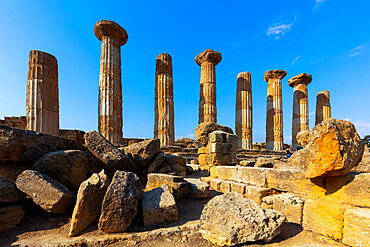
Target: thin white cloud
x,y
190,136
236,44
277,30
356,51
362,127
318,3
320,60
295,60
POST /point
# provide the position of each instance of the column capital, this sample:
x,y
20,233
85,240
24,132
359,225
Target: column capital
x,y
300,79
106,28
244,75
275,74
208,55
325,94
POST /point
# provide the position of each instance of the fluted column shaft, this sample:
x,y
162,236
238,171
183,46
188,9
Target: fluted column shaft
x,y
207,103
243,114
323,107
164,106
42,104
274,118
110,91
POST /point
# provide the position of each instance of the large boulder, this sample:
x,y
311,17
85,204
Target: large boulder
x,y
332,148
69,167
204,129
120,203
11,169
159,206
179,187
89,199
156,163
230,219
10,216
108,153
45,191
24,146
9,192
142,152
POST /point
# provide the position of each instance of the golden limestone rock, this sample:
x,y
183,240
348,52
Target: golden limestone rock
x,y
333,148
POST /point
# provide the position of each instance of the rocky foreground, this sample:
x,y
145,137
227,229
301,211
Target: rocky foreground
x,y
55,191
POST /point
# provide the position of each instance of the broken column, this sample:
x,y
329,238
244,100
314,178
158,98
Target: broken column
x,y
164,112
300,105
243,118
274,118
207,60
42,93
323,108
112,36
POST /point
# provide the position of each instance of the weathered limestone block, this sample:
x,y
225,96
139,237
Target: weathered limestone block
x,y
42,93
333,149
274,118
324,216
120,203
238,188
142,152
265,162
323,108
10,216
164,128
204,129
29,146
356,230
179,187
45,191
300,105
243,111
110,122
364,165
256,193
11,169
293,181
230,219
288,204
208,60
69,167
172,159
248,175
89,200
9,192
108,153
247,162
159,206
156,163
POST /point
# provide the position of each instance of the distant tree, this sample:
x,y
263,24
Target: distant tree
x,y
366,140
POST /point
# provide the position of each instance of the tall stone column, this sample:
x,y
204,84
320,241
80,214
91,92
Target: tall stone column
x,y
207,61
42,93
300,105
110,122
274,118
164,113
323,108
243,118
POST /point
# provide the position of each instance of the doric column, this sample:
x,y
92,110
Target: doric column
x,y
207,60
112,36
323,108
243,113
42,93
274,118
164,113
300,105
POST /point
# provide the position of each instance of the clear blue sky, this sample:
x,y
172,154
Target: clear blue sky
x,y
329,39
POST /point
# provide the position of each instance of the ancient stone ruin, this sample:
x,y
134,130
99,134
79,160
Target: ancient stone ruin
x,y
70,188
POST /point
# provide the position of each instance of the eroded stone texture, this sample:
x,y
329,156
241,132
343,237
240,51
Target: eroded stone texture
x,y
243,118
142,152
9,192
300,105
208,60
230,219
10,216
333,148
204,129
356,230
89,200
274,118
112,36
42,93
164,128
120,203
323,108
45,191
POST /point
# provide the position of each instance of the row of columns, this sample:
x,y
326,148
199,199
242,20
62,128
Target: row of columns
x,y
43,103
